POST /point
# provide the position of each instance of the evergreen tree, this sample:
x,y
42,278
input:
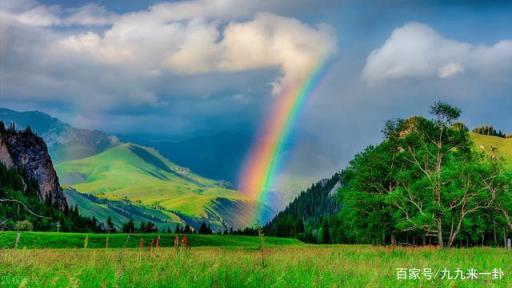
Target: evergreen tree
x,y
129,227
203,229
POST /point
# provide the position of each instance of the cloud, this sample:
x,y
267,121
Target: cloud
x,y
200,46
124,58
30,12
416,50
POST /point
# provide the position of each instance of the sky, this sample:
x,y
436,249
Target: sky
x,y
197,67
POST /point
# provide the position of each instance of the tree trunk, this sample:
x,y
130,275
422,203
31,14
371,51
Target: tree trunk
x,y
393,239
507,217
440,233
494,232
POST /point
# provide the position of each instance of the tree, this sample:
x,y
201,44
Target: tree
x,y
424,180
129,227
326,239
148,227
499,184
203,229
110,225
24,225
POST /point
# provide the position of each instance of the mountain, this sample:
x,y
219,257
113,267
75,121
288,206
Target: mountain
x,y
26,152
30,193
134,175
64,142
203,153
307,211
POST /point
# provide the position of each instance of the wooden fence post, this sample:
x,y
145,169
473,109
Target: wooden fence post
x,y
17,240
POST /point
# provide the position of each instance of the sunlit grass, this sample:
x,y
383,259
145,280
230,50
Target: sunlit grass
x,y
291,266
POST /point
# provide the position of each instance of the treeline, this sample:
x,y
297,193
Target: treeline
x,y
307,216
489,130
150,227
425,184
21,208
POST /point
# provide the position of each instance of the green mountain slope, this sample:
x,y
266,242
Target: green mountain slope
x,y
503,146
142,177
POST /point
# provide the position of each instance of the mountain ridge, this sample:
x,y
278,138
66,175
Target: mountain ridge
x,y
64,142
142,176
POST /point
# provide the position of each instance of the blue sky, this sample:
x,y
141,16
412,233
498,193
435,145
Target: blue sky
x,y
184,69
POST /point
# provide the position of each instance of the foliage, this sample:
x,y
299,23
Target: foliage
x,y
12,187
489,130
425,183
24,225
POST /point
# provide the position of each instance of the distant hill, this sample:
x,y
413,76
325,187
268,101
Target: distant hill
x,y
503,146
203,154
141,177
64,142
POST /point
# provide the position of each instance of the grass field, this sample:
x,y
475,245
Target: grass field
x,y
503,146
39,240
281,266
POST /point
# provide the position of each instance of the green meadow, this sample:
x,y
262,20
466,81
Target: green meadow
x,y
138,179
235,261
39,240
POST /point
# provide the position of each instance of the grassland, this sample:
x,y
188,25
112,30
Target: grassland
x,y
31,240
280,266
143,177
503,146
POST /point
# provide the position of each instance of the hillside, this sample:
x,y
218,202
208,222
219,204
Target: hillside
x,y
503,146
306,213
304,216
64,141
140,176
30,194
27,154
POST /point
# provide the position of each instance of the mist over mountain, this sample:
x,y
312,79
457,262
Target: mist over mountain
x,y
219,156
64,142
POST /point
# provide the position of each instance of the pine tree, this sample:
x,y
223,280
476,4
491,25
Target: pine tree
x,y
203,229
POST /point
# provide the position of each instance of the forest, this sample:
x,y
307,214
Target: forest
x,y
424,184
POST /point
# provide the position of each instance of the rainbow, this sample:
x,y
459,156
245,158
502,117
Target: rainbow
x,y
264,159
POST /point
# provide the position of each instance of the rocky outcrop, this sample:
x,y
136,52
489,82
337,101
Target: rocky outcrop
x,y
5,156
64,142
27,152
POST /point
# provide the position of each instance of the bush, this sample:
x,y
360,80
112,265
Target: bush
x,y
24,225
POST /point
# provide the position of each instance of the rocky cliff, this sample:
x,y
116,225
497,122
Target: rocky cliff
x,y
27,152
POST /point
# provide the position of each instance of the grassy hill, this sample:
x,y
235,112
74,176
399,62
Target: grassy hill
x,y
503,146
130,174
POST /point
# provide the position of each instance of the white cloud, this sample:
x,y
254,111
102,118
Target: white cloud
x,y
450,69
416,50
32,13
124,60
198,45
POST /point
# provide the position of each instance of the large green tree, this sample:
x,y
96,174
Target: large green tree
x,y
425,179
